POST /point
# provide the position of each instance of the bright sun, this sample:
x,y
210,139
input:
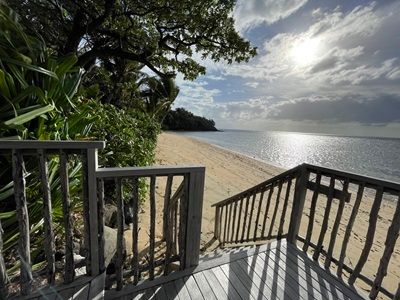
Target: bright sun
x,y
305,51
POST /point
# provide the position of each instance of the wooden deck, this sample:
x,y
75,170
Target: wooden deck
x,y
274,271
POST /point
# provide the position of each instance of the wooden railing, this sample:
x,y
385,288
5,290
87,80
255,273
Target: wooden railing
x,y
180,213
347,222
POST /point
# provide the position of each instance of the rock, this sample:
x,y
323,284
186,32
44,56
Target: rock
x,y
110,244
110,215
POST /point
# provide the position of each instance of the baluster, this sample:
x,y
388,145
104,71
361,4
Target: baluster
x,y
324,226
233,221
258,215
336,224
120,233
271,191
220,223
312,212
229,220
3,271
168,223
278,196
217,222
391,238
245,217
49,246
23,222
167,197
86,210
373,218
349,228
285,204
183,222
100,211
225,224
152,225
69,272
239,218
251,215
135,230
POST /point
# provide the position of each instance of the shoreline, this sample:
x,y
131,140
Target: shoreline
x,y
229,172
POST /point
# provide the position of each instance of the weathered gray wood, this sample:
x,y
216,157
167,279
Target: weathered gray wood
x,y
48,145
230,289
194,218
324,190
93,216
23,221
96,287
277,200
152,235
217,223
336,224
181,289
100,210
285,204
233,220
229,222
192,288
391,238
245,218
69,271
312,212
171,291
219,291
298,203
146,171
251,216
325,221
120,234
259,187
239,218
373,218
349,228
389,186
183,214
225,225
271,191
49,246
204,287
167,197
3,272
135,230
86,212
260,202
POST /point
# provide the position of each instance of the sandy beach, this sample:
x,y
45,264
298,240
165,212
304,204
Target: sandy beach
x,y
228,173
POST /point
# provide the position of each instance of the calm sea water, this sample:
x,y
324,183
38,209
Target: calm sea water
x,y
376,157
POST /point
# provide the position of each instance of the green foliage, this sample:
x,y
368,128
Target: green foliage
x,y
181,119
161,35
131,136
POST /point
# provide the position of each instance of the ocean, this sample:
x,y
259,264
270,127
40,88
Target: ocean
x,y
370,156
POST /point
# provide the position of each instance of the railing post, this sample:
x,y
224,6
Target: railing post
x,y
298,203
194,216
217,221
93,213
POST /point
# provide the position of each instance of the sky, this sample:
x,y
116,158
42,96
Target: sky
x,y
322,66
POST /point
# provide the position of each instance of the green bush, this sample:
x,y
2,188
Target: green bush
x,y
131,136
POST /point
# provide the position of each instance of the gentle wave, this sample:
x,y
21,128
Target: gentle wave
x,y
371,156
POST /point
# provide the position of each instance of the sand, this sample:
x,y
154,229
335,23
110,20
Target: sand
x,y
228,173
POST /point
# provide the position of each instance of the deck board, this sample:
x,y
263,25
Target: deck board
x,y
278,271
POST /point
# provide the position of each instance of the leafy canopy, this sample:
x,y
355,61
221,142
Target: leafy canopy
x,y
160,34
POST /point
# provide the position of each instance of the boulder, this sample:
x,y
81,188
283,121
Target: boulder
x,y
110,244
110,215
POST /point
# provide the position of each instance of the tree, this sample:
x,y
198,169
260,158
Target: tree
x,y
161,35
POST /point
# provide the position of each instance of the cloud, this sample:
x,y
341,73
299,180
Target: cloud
x,y
382,109
251,13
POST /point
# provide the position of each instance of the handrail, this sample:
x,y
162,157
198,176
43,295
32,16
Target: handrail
x,y
258,186
50,145
146,171
344,195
